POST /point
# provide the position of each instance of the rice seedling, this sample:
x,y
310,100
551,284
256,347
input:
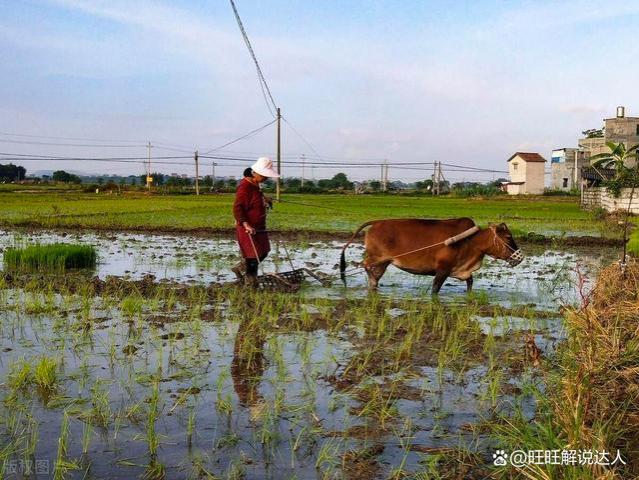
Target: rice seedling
x,y
87,432
132,306
63,464
235,470
20,375
100,413
54,257
45,374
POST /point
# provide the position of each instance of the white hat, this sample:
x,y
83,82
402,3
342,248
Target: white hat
x,y
264,166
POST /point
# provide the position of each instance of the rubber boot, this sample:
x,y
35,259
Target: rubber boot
x,y
251,281
239,269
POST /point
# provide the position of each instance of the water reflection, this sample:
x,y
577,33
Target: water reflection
x,y
248,363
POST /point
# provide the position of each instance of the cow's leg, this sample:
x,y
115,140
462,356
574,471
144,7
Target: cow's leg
x,y
440,278
469,284
375,271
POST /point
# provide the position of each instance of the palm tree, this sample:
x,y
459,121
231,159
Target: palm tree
x,y
617,159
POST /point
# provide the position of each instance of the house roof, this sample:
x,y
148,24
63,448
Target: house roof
x,y
527,157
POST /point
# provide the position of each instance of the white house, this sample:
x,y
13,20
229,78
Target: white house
x,y
526,172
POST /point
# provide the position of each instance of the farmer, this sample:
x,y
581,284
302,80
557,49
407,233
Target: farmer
x,y
249,210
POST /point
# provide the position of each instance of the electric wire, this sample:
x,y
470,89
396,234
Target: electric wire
x,y
243,137
266,91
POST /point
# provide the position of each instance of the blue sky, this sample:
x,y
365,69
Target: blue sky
x,y
459,82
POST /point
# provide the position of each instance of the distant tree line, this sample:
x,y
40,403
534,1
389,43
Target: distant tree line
x,y
11,172
338,183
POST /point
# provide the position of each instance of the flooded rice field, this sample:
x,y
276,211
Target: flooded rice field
x,y
185,375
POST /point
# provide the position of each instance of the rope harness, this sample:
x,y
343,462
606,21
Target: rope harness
x,y
515,257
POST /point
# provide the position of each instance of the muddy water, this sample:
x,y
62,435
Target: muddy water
x,y
275,414
546,277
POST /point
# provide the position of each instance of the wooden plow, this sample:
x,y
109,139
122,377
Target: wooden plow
x,y
289,281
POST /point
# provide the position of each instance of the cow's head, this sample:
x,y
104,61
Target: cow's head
x,y
503,246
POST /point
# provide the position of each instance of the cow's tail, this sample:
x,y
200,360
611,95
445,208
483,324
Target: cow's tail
x,y
342,259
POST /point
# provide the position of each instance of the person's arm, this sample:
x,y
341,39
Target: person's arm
x,y
239,209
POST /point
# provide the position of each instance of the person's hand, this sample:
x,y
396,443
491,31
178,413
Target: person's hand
x,y
250,230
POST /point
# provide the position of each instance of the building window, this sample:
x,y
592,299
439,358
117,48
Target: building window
x,y
565,184
515,164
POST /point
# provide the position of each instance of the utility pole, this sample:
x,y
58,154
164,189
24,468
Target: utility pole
x,y
213,172
197,174
303,168
385,175
148,170
437,177
279,155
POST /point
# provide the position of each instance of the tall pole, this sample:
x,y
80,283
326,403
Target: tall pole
x,y
197,174
213,172
385,175
279,155
303,168
148,170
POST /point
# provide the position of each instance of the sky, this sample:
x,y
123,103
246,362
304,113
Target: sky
x,y
464,83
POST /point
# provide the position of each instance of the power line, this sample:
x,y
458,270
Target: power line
x,y
52,157
474,168
67,138
417,166
266,91
302,137
249,134
53,144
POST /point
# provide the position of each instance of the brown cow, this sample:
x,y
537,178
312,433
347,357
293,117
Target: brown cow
x,y
419,246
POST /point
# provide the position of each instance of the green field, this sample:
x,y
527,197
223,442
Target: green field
x,y
554,216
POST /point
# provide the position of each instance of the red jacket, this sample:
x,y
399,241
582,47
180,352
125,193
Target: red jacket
x,y
250,207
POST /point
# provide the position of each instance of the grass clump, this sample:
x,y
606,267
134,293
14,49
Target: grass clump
x,y
592,396
57,256
45,373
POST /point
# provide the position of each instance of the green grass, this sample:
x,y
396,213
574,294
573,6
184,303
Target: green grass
x,y
57,256
633,243
328,213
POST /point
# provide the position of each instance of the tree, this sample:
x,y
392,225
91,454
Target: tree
x,y
617,158
593,133
158,179
207,181
375,185
425,185
338,182
12,172
65,177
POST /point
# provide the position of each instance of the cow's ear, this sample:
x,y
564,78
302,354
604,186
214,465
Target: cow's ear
x,y
502,227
